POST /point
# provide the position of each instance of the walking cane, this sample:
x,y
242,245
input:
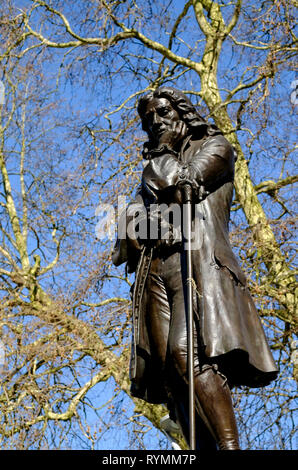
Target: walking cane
x,y
187,193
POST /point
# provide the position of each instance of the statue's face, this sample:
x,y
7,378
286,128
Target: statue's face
x,y
160,116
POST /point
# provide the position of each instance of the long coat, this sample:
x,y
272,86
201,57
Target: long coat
x,y
227,321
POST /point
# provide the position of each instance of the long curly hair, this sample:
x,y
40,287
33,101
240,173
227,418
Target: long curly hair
x,y
197,125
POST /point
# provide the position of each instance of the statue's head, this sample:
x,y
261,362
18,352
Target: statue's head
x,y
158,110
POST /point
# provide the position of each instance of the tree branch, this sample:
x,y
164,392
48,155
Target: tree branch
x,y
127,33
235,18
105,302
271,186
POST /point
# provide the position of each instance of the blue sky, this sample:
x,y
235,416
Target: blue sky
x,y
80,102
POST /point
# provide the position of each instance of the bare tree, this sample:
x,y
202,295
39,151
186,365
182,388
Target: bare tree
x,y
71,140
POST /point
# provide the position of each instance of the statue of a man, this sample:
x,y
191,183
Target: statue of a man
x,y
230,345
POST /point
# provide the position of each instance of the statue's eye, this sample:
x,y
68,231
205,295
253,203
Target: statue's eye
x,y
163,111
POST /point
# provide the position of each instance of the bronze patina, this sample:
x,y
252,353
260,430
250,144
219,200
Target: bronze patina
x,y
230,348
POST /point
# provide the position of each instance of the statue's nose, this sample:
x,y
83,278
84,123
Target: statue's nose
x,y
156,119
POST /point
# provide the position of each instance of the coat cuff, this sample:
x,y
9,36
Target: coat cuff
x,y
159,151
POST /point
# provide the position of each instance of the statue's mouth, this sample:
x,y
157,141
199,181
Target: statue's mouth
x,y
160,131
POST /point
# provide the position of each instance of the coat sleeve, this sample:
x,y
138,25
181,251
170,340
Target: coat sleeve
x,y
213,164
127,248
208,168
161,173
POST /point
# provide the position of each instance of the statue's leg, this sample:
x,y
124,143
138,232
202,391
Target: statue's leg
x,y
158,316
214,398
215,418
212,393
166,326
179,402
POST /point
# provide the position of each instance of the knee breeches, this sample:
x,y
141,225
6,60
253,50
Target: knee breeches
x,y
166,317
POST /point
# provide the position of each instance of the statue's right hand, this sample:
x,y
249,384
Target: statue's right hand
x,y
134,244
175,135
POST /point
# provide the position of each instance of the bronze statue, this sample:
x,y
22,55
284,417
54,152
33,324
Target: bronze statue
x,y
230,347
